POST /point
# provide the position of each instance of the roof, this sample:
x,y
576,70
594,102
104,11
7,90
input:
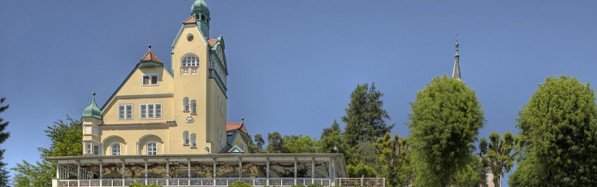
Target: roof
x,y
212,41
232,126
190,20
92,111
151,57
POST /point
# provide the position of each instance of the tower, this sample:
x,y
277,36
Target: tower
x,y
91,118
456,70
199,69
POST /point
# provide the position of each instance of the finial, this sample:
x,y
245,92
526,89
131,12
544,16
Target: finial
x,y
242,119
457,44
149,46
93,93
93,97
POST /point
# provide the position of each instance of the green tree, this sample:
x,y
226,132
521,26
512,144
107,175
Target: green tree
x,y
256,144
444,123
259,141
66,138
365,117
299,144
3,136
393,157
331,137
559,129
500,154
361,170
274,142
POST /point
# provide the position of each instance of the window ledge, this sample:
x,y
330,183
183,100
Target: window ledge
x,y
194,147
185,145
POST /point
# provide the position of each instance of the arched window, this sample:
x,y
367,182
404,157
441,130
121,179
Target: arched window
x,y
185,137
190,60
115,149
185,103
152,148
193,107
193,140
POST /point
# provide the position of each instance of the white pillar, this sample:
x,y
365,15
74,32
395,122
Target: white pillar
x,y
312,170
214,170
123,172
79,173
58,170
295,169
267,172
101,172
167,172
145,171
189,172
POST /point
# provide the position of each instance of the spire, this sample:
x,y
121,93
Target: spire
x,y
456,70
92,111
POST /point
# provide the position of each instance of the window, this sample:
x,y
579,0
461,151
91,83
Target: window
x,y
185,103
151,111
185,137
96,149
193,140
193,107
150,80
190,60
88,148
125,111
115,149
152,148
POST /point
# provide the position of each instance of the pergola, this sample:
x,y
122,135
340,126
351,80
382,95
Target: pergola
x,y
200,169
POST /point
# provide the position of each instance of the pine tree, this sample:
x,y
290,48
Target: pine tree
x,y
3,136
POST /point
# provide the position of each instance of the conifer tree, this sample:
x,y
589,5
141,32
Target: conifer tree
x,y
3,136
499,155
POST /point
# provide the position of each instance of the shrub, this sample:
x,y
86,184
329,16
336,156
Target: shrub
x,y
239,184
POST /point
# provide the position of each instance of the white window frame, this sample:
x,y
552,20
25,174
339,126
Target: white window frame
x,y
185,138
145,112
190,63
126,113
193,107
112,152
185,104
148,151
193,140
157,81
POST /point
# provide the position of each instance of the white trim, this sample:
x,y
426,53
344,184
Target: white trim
x,y
125,110
150,79
154,110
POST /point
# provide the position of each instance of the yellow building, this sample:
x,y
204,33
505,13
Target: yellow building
x,y
161,110
167,126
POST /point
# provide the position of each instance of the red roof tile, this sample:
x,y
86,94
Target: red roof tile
x,y
151,57
231,126
212,41
190,20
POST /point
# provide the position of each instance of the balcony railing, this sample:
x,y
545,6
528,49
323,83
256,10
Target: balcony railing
x,y
346,182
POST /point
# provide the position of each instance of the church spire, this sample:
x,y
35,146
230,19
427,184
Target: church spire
x,y
456,70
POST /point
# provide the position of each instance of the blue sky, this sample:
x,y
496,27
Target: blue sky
x,y
293,64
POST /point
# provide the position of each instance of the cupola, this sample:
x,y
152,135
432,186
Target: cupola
x,y
200,12
92,111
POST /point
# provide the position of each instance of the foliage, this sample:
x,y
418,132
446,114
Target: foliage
x,y
499,155
3,136
365,117
138,184
274,142
472,175
445,120
559,129
299,144
256,144
393,157
66,138
361,170
331,137
310,185
239,184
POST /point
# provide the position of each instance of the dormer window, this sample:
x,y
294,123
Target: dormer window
x,y
150,80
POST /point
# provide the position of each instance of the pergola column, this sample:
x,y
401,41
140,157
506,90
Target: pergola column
x,y
78,173
312,169
145,163
167,172
122,171
214,170
240,167
58,170
101,171
267,171
295,171
189,170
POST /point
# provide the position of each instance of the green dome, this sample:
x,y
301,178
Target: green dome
x,y
92,111
199,6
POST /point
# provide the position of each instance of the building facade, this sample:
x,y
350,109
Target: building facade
x,y
168,126
161,110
